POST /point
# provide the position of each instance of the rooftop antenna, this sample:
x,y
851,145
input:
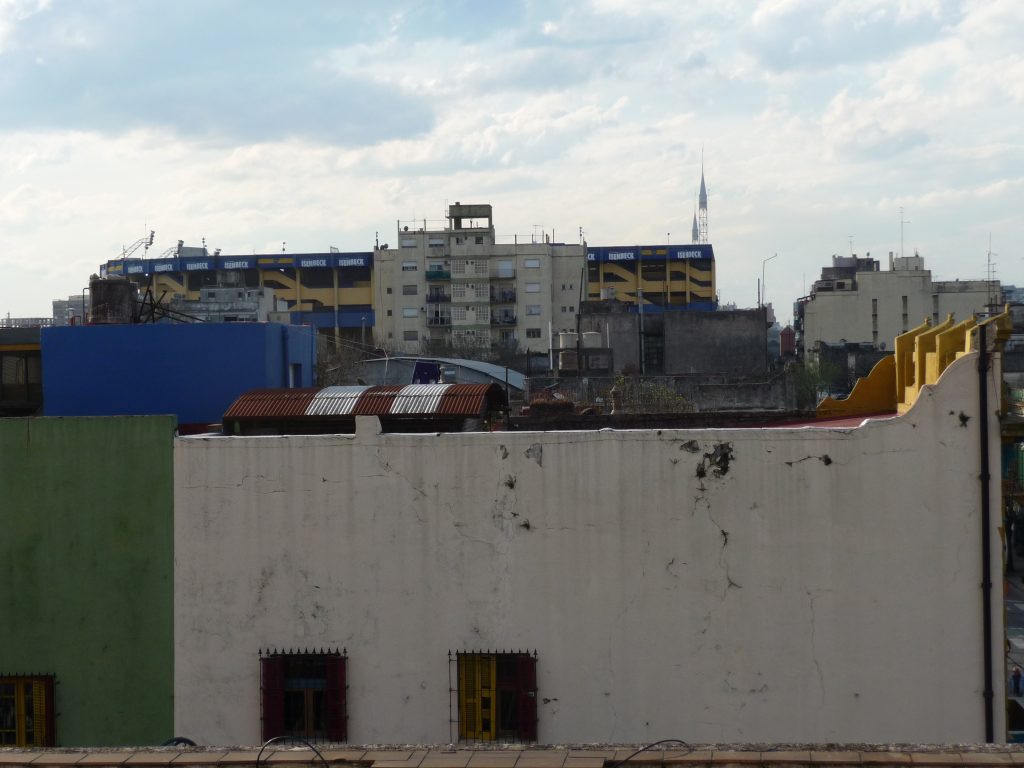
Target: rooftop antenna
x,y
991,273
902,222
851,244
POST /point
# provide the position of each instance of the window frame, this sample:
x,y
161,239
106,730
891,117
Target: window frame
x,y
274,685
496,695
43,717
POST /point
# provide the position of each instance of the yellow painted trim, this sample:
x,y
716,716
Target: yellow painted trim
x,y
874,393
904,346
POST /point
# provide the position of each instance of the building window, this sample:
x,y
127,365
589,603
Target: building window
x,y
408,290
479,239
389,313
533,333
459,267
458,313
303,695
410,312
482,292
408,266
533,287
389,290
26,711
533,309
497,696
572,308
411,336
459,290
531,263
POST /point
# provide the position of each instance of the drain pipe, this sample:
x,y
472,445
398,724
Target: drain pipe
x,y
986,536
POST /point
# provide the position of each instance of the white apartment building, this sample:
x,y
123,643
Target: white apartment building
x,y
856,302
455,286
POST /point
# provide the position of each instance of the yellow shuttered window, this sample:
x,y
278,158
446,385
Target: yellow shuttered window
x,y
26,711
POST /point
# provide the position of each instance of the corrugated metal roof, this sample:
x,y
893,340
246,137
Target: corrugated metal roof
x,y
451,400
376,401
418,398
271,403
470,400
335,401
516,379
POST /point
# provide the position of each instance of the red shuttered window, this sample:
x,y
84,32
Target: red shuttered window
x,y
303,695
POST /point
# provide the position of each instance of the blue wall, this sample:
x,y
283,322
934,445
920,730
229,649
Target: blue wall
x,y
194,371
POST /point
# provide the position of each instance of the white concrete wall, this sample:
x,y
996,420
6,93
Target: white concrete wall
x,y
823,586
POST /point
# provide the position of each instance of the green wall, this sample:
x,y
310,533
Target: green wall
x,y
86,580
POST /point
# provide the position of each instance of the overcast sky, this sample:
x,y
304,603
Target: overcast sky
x,y
317,124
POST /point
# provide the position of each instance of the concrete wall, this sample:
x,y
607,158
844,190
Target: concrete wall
x,y
779,585
85,571
729,341
194,371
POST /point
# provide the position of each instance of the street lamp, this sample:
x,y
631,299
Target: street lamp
x,y
763,292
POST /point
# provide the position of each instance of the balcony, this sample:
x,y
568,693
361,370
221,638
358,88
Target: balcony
x,y
439,274
503,319
503,297
439,321
437,297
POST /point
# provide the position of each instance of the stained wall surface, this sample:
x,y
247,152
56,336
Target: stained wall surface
x,y
85,571
776,585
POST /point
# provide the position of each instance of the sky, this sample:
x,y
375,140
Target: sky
x,y
259,125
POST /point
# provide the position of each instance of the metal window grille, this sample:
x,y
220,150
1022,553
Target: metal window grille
x,y
494,695
303,694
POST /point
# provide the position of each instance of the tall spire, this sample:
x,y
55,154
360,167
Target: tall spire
x,y
696,231
702,201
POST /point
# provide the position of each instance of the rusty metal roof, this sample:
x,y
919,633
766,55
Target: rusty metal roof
x,y
424,400
471,399
271,403
377,401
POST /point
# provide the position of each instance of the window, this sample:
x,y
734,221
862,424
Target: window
x,y
389,313
408,266
389,290
459,267
458,313
572,308
479,239
26,711
533,309
411,336
410,312
531,263
303,695
533,287
459,290
408,290
563,308
533,333
497,696
482,292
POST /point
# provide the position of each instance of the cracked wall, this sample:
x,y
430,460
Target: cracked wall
x,y
801,585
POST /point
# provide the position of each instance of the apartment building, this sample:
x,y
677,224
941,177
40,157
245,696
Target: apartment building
x,y
453,286
857,302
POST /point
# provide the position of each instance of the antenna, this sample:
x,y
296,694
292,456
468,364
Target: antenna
x,y
990,272
902,222
851,243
